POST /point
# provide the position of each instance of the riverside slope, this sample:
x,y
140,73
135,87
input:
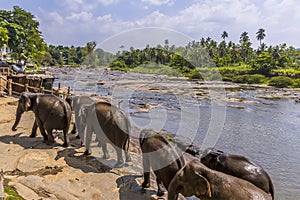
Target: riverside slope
x,y
38,171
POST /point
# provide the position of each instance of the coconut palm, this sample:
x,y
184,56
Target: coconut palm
x,y
260,35
224,35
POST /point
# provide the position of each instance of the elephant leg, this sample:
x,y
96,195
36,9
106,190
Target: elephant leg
x,y
66,138
105,151
161,189
88,137
126,148
127,156
42,129
50,137
74,129
120,161
146,168
34,129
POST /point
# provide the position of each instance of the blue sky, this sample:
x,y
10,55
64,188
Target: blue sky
x,y
76,22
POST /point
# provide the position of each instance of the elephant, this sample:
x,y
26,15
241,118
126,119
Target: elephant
x,y
76,102
238,166
51,112
197,179
161,156
110,124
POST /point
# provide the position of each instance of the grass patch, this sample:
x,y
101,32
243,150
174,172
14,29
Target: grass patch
x,y
12,194
153,68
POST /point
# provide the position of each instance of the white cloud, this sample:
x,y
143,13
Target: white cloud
x,y
83,16
107,2
107,18
205,18
76,5
159,2
53,18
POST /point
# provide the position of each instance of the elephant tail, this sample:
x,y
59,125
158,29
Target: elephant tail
x,y
67,113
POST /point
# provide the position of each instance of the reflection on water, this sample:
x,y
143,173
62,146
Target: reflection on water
x,y
263,129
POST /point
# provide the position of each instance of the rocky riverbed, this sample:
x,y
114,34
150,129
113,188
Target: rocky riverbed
x,y
38,171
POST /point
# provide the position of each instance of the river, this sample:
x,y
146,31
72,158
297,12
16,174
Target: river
x,y
261,123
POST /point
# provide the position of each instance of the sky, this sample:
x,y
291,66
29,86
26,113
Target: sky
x,y
76,22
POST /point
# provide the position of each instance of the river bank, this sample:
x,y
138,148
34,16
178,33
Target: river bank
x,y
38,171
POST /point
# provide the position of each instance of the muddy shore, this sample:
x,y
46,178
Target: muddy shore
x,y
38,171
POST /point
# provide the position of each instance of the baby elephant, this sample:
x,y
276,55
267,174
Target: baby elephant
x,y
161,156
238,166
207,184
110,125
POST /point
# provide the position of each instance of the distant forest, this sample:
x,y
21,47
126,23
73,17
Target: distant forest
x,y
205,59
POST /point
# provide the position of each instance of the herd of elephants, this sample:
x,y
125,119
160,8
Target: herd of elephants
x,y
213,175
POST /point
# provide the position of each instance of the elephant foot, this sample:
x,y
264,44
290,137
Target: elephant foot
x,y
32,135
145,185
65,144
128,158
105,156
87,153
119,165
49,142
160,193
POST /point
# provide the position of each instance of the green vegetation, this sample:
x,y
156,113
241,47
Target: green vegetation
x,y
281,82
250,79
19,30
205,59
12,194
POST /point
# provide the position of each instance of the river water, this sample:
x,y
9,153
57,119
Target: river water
x,y
260,123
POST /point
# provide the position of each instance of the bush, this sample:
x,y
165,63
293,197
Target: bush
x,y
195,74
296,83
281,81
249,78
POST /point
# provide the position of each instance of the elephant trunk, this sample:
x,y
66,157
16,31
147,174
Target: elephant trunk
x,y
172,194
18,118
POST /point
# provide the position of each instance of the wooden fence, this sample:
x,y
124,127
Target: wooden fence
x,y
6,71
7,84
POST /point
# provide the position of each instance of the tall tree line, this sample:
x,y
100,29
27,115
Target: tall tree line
x,y
20,31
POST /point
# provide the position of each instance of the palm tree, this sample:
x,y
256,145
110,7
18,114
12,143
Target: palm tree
x,y
224,35
260,35
244,37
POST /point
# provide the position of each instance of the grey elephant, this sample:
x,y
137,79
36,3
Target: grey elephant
x,y
238,166
161,156
197,179
51,112
76,103
110,124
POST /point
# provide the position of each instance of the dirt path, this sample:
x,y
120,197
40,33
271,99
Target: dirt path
x,y
38,171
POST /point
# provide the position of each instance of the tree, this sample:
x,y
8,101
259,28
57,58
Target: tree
x,y
91,58
245,48
224,35
260,35
264,64
25,39
3,36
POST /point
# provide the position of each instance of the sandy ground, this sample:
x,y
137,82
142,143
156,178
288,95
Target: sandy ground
x,y
39,171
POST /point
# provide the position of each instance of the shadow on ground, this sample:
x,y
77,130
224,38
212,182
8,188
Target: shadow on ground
x,y
129,188
75,158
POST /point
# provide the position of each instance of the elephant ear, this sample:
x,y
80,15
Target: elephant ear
x,y
27,102
202,186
